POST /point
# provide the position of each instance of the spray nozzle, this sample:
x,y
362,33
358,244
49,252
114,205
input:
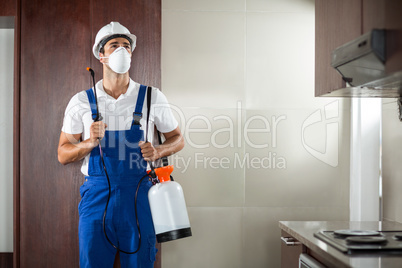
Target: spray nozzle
x,y
163,173
90,70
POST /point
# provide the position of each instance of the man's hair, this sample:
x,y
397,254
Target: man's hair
x,y
104,41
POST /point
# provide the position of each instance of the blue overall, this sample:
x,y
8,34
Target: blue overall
x,y
125,167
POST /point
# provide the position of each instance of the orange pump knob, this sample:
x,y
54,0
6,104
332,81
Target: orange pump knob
x,y
163,173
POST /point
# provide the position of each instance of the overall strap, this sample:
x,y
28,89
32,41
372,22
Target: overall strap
x,y
92,103
137,115
149,96
165,161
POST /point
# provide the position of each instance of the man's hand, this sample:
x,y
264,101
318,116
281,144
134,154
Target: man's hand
x,y
97,131
173,143
71,149
148,151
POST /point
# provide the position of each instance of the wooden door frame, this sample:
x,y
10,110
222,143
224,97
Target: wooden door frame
x,y
16,130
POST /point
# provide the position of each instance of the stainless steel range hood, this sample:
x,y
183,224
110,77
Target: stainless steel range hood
x,y
362,64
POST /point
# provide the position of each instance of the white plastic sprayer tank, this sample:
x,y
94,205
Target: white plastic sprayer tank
x,y
168,208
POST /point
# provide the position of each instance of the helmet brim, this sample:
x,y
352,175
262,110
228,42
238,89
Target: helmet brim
x,y
96,47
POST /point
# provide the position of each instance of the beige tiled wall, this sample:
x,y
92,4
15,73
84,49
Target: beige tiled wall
x,y
259,147
391,160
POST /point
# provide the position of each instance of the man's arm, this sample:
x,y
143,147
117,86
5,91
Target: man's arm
x,y
71,149
174,142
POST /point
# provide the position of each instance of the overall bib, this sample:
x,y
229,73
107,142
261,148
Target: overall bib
x,y
125,167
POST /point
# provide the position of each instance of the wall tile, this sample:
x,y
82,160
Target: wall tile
x,y
391,168
206,167
301,6
280,61
215,57
210,5
290,173
216,240
203,58
261,233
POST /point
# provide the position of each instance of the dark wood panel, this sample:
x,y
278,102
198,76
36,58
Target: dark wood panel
x,y
336,22
289,254
6,260
8,8
386,14
142,18
55,49
393,24
373,15
16,134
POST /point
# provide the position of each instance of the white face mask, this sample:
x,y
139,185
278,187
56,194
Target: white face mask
x,y
119,60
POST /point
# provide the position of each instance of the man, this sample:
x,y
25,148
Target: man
x,y
122,157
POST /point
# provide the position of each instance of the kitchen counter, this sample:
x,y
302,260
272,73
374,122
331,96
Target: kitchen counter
x,y
304,231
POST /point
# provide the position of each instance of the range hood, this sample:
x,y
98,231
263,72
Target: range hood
x,y
362,64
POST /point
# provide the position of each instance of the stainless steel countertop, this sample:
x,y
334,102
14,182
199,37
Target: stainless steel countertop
x,y
304,232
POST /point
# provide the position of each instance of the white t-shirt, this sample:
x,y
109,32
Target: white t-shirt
x,y
117,114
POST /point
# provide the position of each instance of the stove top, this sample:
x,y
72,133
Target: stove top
x,y
362,242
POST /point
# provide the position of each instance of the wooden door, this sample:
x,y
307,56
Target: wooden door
x,y
56,43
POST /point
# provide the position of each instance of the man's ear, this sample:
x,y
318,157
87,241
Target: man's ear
x,y
102,60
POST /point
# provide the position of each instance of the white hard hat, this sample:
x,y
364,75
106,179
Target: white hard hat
x,y
114,30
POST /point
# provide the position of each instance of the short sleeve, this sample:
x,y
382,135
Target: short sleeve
x,y
73,123
163,117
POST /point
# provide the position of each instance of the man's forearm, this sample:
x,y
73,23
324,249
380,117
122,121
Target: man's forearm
x,y
72,152
171,146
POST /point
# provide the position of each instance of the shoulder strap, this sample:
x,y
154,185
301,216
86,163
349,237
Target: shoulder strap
x,y
149,95
165,161
137,115
92,103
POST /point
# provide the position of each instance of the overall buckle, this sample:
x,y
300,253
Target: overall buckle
x,y
136,118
